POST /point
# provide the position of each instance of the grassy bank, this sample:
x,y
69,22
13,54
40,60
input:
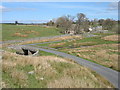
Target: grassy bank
x,y
47,72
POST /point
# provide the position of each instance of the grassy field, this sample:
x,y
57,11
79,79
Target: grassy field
x,y
47,72
78,42
102,49
52,39
14,32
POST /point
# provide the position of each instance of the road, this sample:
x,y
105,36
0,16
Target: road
x,y
107,73
31,39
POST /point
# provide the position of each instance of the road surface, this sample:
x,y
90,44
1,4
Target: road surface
x,y
107,73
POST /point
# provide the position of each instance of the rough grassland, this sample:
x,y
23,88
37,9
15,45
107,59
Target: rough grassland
x,y
54,39
12,32
102,50
105,54
47,71
112,38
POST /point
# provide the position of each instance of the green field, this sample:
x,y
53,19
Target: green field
x,y
15,32
48,70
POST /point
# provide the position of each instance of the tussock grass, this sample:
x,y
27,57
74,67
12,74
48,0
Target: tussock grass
x,y
0,45
57,45
15,32
105,54
48,71
74,43
31,31
53,39
112,38
19,35
95,49
25,33
19,78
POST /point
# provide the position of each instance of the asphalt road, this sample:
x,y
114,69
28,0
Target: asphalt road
x,y
107,73
31,39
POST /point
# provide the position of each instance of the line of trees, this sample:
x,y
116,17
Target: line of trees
x,y
82,24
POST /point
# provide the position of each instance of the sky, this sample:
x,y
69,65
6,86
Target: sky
x,y
39,12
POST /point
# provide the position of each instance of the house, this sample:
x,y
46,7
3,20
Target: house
x,y
97,28
90,29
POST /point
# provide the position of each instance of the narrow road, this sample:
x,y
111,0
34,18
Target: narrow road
x,y
107,73
31,39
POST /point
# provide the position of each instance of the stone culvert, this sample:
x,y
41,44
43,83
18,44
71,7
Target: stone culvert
x,y
25,50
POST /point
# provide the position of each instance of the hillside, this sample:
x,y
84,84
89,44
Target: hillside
x,y
47,71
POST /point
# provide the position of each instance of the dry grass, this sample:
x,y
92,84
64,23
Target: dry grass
x,y
78,77
112,38
19,77
74,44
0,45
20,35
72,75
84,44
3,84
44,40
53,39
25,33
31,32
57,45
4,45
105,54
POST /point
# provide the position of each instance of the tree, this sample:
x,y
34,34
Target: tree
x,y
95,24
100,21
64,23
115,27
82,23
86,24
108,24
16,22
51,23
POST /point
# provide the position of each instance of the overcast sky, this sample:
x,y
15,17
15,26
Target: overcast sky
x,y
44,11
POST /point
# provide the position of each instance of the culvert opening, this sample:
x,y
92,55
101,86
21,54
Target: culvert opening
x,y
28,51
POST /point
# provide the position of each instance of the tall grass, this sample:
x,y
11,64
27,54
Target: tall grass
x,y
47,71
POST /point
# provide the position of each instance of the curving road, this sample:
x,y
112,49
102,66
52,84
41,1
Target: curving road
x,y
31,39
107,73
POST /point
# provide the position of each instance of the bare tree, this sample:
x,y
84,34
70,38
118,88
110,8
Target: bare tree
x,y
65,23
108,24
82,23
100,21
